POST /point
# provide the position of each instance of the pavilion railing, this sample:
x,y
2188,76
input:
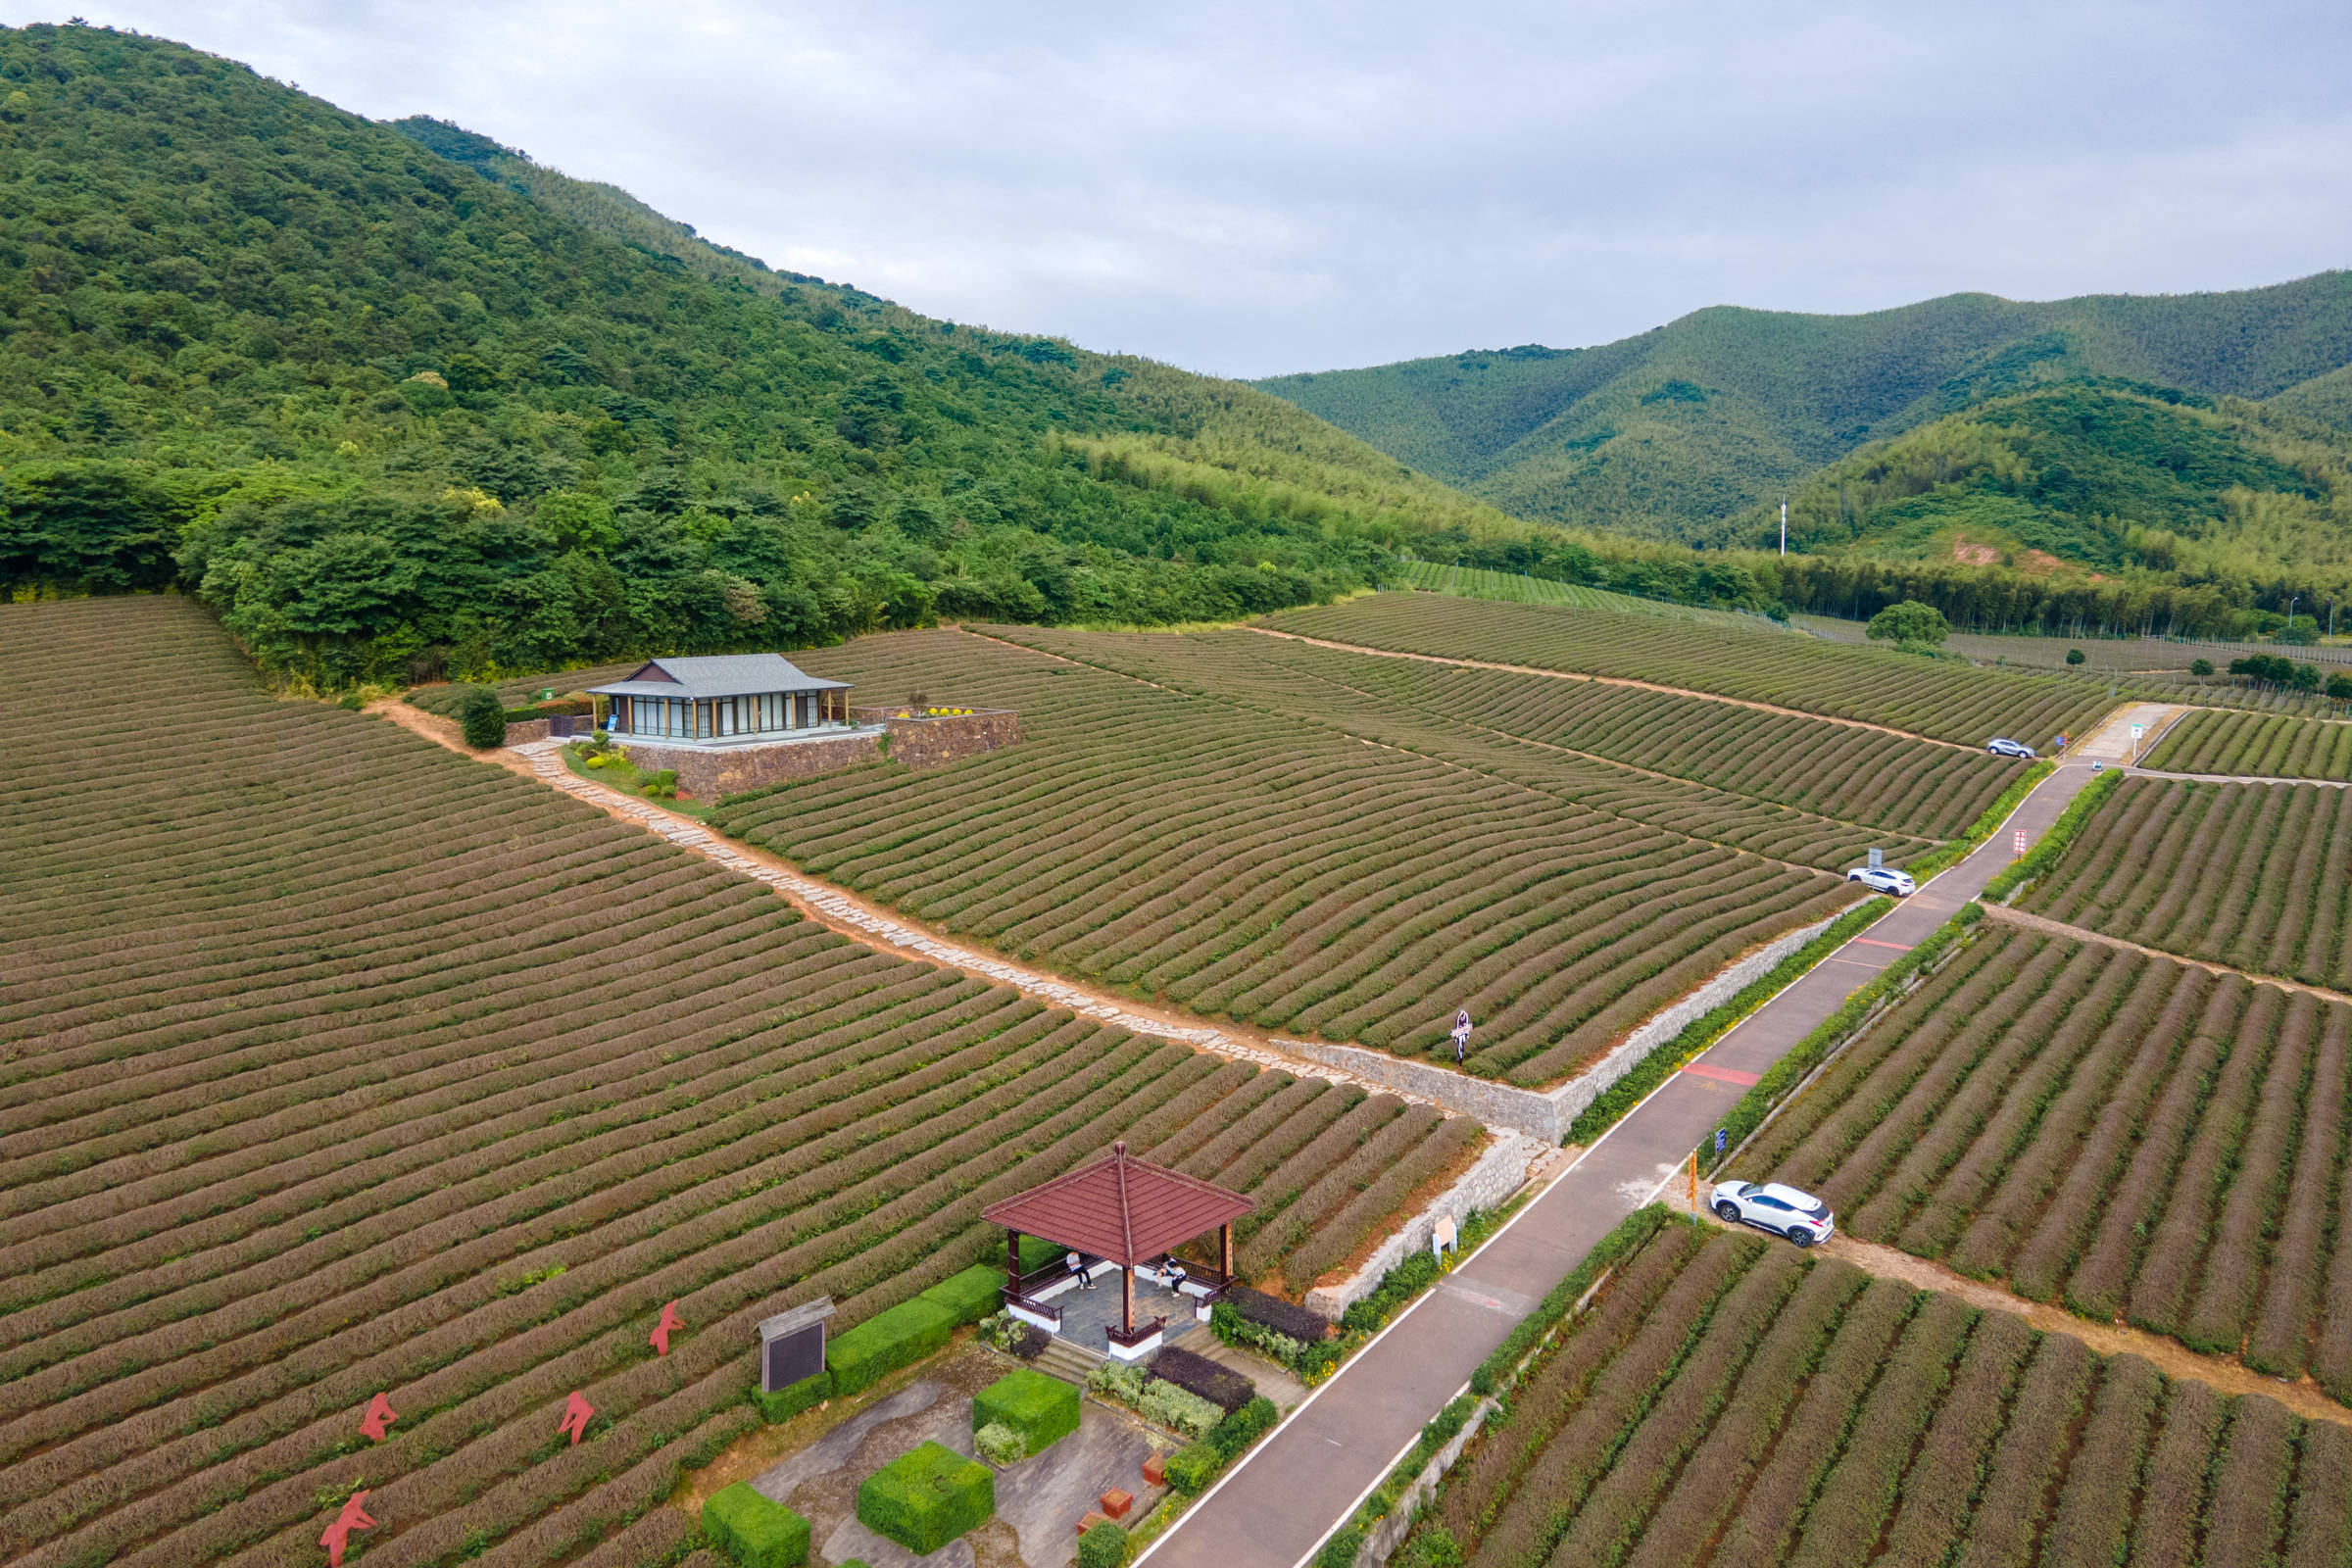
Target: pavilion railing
x,y
1143,1332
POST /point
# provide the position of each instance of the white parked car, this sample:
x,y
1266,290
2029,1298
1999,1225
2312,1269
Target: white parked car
x,y
2003,746
1885,879
1800,1216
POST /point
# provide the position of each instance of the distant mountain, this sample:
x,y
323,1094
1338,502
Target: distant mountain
x,y
1674,433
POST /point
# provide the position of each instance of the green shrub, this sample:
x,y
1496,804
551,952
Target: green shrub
x,y
971,1294
1245,1426
1104,1545
1040,1410
1340,1549
1122,1381
755,1531
1178,1409
887,1342
1037,1253
1192,1468
926,1497
483,719
999,1444
790,1400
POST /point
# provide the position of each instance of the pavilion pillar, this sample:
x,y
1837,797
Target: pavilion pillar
x,y
1225,1251
1127,1302
1013,1259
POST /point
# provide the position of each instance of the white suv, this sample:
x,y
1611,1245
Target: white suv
x,y
1800,1216
1883,878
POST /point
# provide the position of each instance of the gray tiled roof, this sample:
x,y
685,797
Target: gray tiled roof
x,y
720,676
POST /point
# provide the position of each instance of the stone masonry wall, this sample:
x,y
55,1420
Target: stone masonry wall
x,y
950,738
708,775
1495,1175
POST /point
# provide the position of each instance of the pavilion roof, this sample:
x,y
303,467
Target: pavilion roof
x,y
1120,1207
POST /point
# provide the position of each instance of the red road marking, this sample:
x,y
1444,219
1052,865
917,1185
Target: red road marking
x,y
1729,1075
1899,947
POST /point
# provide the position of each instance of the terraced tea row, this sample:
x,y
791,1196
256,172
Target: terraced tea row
x,y
2130,1136
1945,700
1192,850
2250,875
1730,1405
2255,746
1477,583
334,1065
1831,778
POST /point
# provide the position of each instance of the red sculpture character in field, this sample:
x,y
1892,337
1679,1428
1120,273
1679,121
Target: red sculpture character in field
x,y
338,1535
380,1415
576,1413
669,1320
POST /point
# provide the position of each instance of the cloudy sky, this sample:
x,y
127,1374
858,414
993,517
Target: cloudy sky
x,y
1256,188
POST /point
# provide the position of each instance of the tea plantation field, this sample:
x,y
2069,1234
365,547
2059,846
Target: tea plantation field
x,y
332,1064
1945,701
1732,1403
1276,868
2252,875
2131,1136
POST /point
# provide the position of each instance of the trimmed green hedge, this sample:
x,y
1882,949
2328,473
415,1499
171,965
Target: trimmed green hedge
x,y
2042,856
1104,1545
971,1294
755,1531
790,1400
887,1342
1628,1237
1042,1409
1190,1469
926,1497
1701,1033
1807,1053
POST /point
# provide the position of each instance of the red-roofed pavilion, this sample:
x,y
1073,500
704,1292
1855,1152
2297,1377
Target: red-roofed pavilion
x,y
1126,1211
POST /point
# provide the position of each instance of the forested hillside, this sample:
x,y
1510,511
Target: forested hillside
x,y
2099,474
398,402
1670,433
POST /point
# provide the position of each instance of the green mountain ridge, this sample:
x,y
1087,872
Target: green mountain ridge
x,y
398,402
1674,433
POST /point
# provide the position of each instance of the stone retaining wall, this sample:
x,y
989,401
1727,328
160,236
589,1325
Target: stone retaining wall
x,y
1579,1093
708,775
949,737
1548,1114
1495,1175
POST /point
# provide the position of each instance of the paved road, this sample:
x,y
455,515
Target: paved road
x,y
1276,1507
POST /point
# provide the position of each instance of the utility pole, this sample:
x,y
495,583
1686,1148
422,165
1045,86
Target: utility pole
x,y
2290,618
1784,525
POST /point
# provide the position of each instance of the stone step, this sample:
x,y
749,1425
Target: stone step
x,y
1067,1361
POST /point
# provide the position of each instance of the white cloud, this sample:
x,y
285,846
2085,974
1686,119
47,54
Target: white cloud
x,y
1252,189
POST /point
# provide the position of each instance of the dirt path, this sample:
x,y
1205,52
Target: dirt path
x,y
2173,1359
843,911
1611,680
2059,928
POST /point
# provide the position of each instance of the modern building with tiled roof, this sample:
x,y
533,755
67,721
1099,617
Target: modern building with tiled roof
x,y
725,699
